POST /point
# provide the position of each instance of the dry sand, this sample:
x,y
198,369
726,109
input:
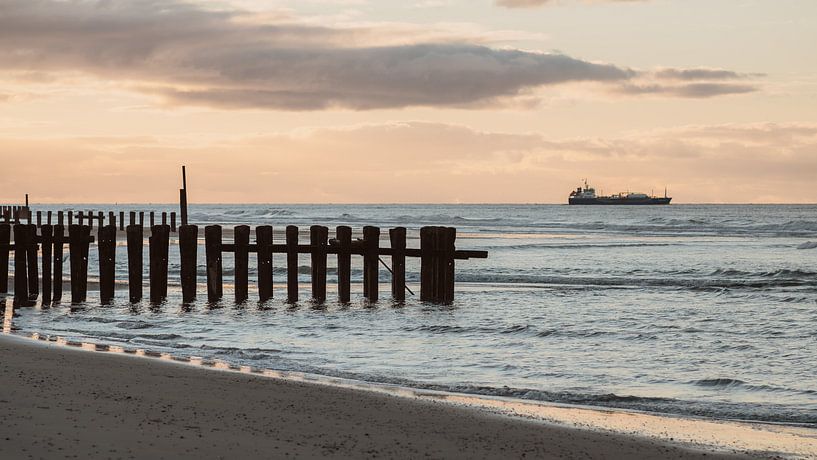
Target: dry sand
x,y
61,402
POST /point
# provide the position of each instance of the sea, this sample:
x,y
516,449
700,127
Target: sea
x,y
694,310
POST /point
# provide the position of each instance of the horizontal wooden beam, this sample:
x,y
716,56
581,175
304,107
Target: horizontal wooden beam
x,y
358,250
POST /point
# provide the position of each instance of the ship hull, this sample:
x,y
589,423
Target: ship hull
x,y
619,201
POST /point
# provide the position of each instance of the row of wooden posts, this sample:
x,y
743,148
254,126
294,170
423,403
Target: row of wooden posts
x,y
83,217
437,254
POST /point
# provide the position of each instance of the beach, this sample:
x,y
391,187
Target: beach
x,y
62,402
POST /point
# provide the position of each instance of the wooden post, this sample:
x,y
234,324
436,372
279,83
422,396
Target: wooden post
x,y
5,242
70,218
447,264
188,248
164,217
152,219
142,218
39,218
122,220
100,216
173,221
183,196
48,218
78,244
263,239
135,234
344,236
292,263
59,240
112,219
20,270
158,245
371,244
318,236
132,218
212,247
426,263
398,263
80,217
47,241
241,238
106,244
33,265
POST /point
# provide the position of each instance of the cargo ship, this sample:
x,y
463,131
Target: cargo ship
x,y
587,196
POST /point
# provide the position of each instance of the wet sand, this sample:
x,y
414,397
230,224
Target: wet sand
x,y
60,402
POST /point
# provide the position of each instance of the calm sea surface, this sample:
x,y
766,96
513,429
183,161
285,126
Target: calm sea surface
x,y
707,310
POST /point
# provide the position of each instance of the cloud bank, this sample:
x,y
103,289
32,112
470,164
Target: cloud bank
x,y
189,55
537,3
426,162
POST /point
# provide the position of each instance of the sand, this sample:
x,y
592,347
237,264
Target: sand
x,y
62,402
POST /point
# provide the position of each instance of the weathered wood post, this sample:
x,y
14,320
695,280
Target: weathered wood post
x,y
79,239
106,244
371,246
47,241
60,220
70,218
183,196
344,237
100,217
152,219
59,241
142,218
132,218
426,263
39,218
241,238
164,217
447,272
80,217
318,237
173,222
33,265
21,237
292,263
158,245
135,235
212,247
48,218
263,239
122,220
188,248
398,263
5,242
112,219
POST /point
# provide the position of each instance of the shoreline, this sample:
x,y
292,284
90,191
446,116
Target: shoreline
x,y
421,419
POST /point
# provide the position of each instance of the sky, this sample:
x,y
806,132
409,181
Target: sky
x,y
407,101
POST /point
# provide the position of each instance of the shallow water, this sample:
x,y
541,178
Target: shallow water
x,y
706,310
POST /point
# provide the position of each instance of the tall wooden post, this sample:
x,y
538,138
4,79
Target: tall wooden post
x,y
344,237
183,196
188,247
371,246
5,242
426,263
47,241
59,241
135,235
318,239
159,245
447,265
241,238
263,239
21,237
122,220
398,263
106,244
212,247
292,263
33,265
79,237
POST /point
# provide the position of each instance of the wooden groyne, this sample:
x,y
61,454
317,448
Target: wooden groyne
x,y
22,214
437,254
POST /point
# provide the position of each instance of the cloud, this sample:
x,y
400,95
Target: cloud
x,y
692,90
189,55
426,162
538,3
